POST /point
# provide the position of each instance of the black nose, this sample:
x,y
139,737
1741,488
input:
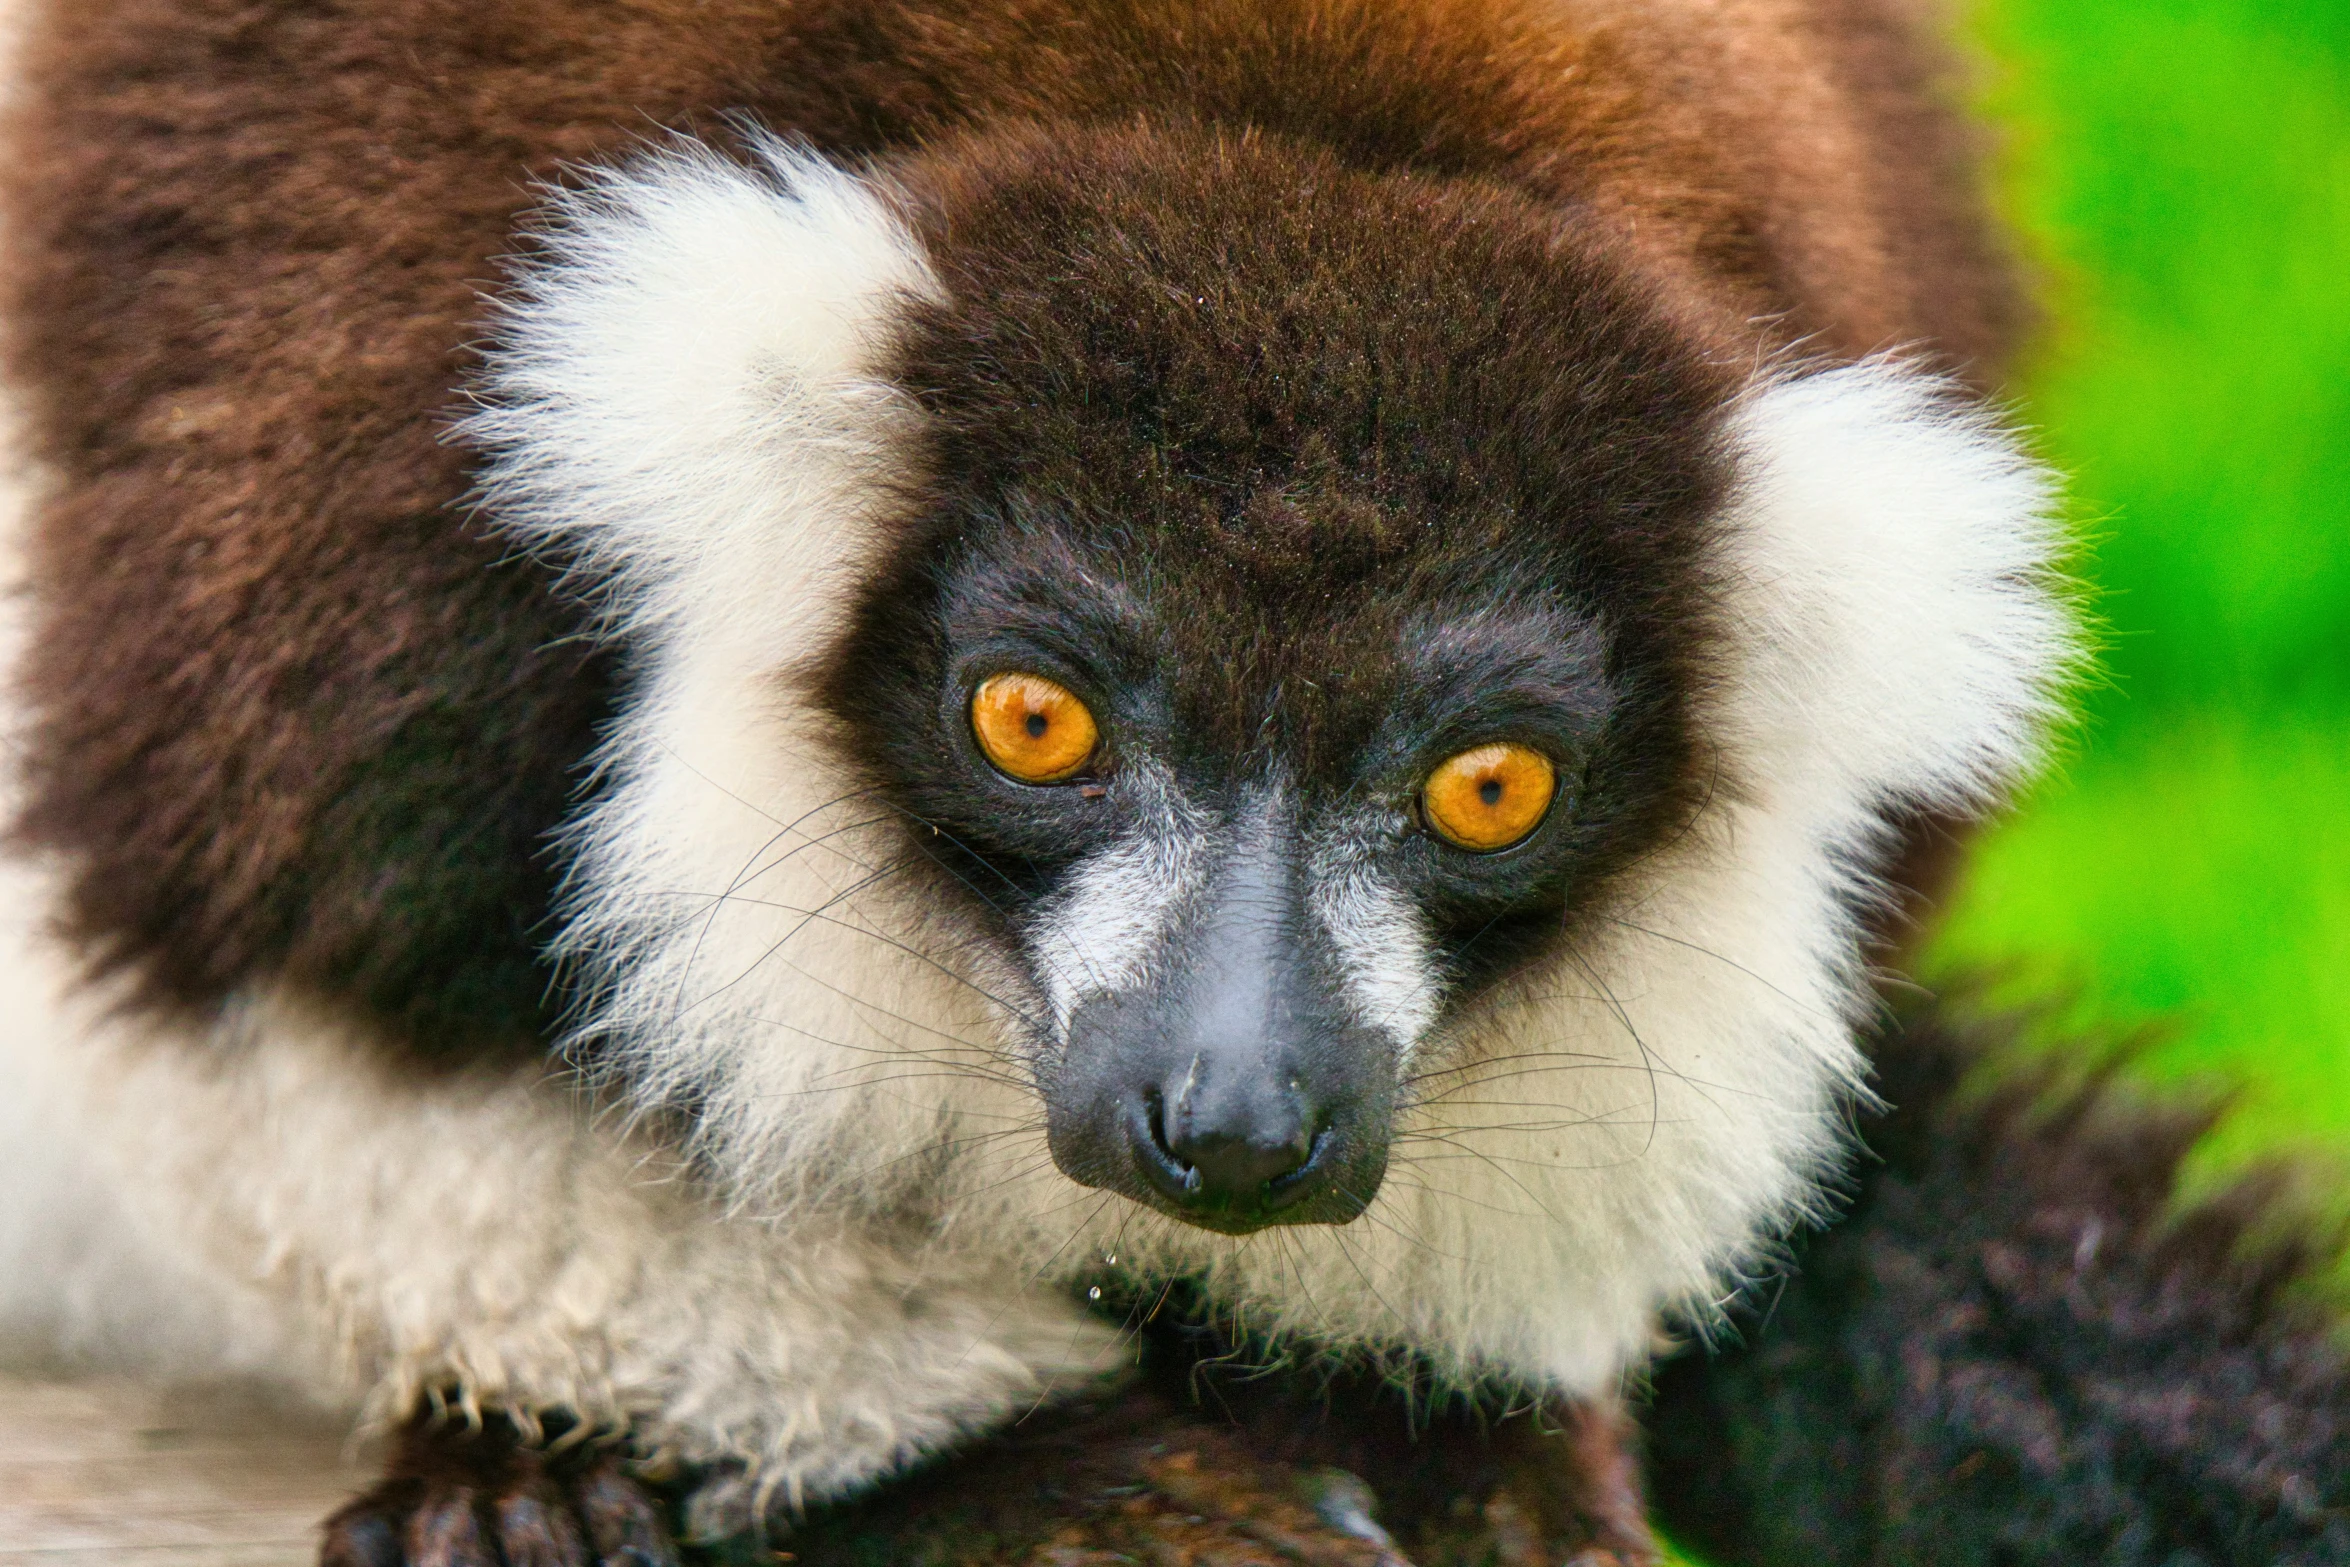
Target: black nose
x,y
1231,1154
1233,1087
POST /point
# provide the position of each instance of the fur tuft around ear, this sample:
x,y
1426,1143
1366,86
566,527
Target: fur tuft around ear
x,y
687,361
1892,560
683,407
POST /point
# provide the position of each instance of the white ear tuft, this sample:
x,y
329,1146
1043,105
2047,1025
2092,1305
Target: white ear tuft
x,y
685,406
685,374
1891,567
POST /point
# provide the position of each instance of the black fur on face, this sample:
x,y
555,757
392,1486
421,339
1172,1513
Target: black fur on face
x,y
1302,480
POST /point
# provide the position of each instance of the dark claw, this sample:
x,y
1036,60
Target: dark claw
x,y
446,1532
460,1497
537,1529
358,1537
621,1519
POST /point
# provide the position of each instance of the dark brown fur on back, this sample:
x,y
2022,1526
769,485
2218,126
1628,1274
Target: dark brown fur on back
x,y
301,720
2020,1346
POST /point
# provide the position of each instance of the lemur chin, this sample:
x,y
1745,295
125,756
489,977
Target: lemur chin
x,y
1276,643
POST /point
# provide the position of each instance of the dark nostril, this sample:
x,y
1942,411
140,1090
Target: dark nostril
x,y
1172,1168
1231,1168
1288,1186
1228,1166
1245,1172
1154,1109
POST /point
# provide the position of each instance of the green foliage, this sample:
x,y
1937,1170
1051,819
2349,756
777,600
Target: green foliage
x,y
2194,873
2180,170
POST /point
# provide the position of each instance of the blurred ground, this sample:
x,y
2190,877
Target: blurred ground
x,y
114,1473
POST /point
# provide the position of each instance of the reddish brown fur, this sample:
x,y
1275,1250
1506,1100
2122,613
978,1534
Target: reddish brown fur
x,y
301,721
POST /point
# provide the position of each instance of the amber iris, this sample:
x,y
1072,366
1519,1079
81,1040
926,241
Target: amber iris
x,y
1032,729
1489,798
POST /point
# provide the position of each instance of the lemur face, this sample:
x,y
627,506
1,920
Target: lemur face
x,y
1248,858
1298,631
1179,659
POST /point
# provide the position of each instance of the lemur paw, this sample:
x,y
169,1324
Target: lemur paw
x,y
464,1497
1570,1479
1334,1481
1557,1484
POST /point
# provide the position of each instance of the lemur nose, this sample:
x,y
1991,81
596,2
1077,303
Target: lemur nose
x,y
1244,1152
1234,1087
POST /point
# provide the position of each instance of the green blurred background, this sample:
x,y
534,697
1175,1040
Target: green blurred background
x,y
2179,174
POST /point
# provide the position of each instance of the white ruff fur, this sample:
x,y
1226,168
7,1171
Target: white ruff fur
x,y
685,408
375,1239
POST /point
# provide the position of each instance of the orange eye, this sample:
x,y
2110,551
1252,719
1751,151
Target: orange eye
x,y
1489,798
1032,729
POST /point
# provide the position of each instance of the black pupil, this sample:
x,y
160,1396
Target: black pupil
x,y
1037,725
1490,791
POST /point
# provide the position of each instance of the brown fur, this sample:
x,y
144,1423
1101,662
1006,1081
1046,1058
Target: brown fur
x,y
1233,1472
302,720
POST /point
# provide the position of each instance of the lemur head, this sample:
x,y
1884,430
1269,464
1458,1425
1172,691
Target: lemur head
x,y
1295,628
1254,649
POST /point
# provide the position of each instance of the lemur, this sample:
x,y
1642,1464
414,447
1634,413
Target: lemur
x,y
722,704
